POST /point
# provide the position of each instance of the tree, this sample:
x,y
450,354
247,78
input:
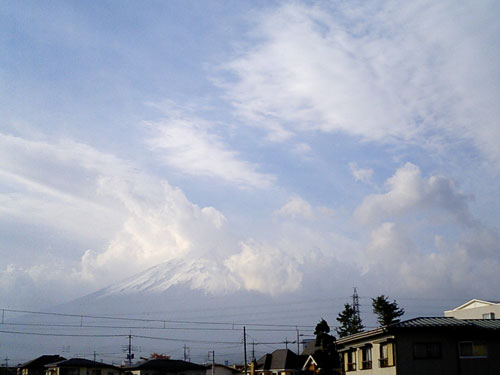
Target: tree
x,y
326,353
387,312
350,322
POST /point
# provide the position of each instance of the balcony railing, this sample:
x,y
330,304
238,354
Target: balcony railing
x,y
383,362
367,365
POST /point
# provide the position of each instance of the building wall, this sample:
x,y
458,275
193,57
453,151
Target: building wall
x,y
376,369
450,361
474,312
447,363
219,370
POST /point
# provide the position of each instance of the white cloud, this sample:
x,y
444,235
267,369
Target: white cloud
x,y
265,268
394,261
296,207
361,174
173,228
420,72
56,185
191,145
409,191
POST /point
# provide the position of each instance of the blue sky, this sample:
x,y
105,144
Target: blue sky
x,y
281,144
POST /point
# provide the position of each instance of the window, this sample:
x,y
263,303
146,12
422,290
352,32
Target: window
x,y
386,354
490,315
350,360
473,349
427,350
366,357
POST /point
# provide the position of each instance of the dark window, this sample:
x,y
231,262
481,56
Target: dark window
x,y
386,354
473,349
427,350
366,356
351,360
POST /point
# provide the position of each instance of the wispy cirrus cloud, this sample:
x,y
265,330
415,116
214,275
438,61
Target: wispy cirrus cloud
x,y
192,145
378,71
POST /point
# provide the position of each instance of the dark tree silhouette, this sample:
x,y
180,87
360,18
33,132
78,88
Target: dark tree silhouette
x,y
387,312
350,323
326,354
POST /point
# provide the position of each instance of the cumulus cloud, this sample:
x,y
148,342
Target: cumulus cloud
x,y
191,145
265,268
409,251
409,191
296,207
173,229
394,259
143,221
381,71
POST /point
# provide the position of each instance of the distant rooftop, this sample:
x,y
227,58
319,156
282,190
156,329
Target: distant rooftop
x,y
427,322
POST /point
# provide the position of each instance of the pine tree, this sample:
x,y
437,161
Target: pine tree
x,y
387,312
327,351
350,322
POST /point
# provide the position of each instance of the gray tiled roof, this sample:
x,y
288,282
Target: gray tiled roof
x,y
279,359
428,322
42,361
80,362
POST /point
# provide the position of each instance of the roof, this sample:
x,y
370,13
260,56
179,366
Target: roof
x,y
474,303
166,365
311,348
80,362
226,367
41,361
426,323
280,359
448,322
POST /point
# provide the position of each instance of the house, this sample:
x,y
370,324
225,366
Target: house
x,y
475,309
219,369
37,366
317,362
80,366
161,366
280,362
424,346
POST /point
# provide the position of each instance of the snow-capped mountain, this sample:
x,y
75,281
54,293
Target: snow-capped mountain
x,y
200,275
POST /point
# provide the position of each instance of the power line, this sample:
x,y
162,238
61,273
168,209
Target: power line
x,y
154,320
141,327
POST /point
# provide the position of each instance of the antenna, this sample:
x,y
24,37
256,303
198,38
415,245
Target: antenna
x,y
355,303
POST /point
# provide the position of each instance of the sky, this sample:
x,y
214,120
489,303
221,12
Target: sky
x,y
298,146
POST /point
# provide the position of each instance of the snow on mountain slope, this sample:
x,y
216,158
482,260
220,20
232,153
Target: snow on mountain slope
x,y
199,275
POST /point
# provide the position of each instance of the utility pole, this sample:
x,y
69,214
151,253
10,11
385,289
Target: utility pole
x,y
298,342
7,361
355,303
245,347
129,354
187,353
94,356
286,342
213,360
253,351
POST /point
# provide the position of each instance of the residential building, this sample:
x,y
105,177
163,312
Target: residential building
x,y
424,346
280,362
80,366
37,366
163,366
475,309
218,369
